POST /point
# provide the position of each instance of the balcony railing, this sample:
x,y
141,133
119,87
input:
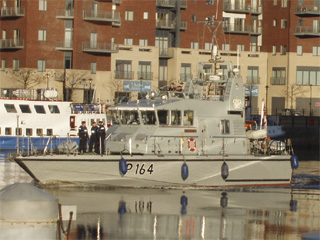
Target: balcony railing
x,y
170,24
166,52
123,74
65,13
7,12
256,10
185,77
100,47
236,28
306,10
104,16
278,81
145,75
171,3
11,44
256,30
236,7
306,31
64,45
253,79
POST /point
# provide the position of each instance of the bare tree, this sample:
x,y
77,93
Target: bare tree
x,y
113,86
74,80
292,92
28,78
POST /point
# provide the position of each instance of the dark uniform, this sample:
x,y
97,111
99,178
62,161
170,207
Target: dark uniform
x,y
83,136
94,138
101,137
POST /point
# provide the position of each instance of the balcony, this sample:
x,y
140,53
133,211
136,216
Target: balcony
x,y
123,74
171,3
256,10
306,31
306,10
236,7
236,29
12,12
11,44
278,81
100,47
145,75
166,52
170,24
253,80
102,16
64,45
65,14
256,30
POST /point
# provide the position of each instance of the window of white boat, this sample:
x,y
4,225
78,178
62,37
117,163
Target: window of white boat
x,y
19,131
188,118
29,131
39,131
163,116
10,108
148,117
49,132
175,117
115,120
129,117
8,131
39,109
225,126
54,108
25,108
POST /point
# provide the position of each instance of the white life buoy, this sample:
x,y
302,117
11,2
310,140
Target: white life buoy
x,y
192,149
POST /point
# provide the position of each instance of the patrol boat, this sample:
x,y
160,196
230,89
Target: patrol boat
x,y
190,138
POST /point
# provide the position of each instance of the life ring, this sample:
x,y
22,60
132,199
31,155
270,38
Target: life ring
x,y
192,149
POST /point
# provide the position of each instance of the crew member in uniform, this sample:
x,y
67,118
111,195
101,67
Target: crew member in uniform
x,y
101,137
83,136
93,137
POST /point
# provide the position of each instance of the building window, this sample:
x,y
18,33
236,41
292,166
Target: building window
x,y
284,23
274,50
185,73
42,35
129,16
300,22
274,22
208,46
284,3
3,65
163,70
209,2
275,2
278,76
16,64
195,45
316,50
194,18
93,67
299,50
41,65
253,75
283,49
123,69
42,5
144,72
240,47
308,76
226,47
143,42
128,41
145,15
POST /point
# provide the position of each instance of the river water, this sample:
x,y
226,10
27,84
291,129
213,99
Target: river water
x,y
230,213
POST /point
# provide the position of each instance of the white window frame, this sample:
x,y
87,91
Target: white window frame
x,y
16,64
226,47
274,22
274,50
3,65
284,3
42,5
284,23
240,47
42,35
143,42
316,51
299,50
194,45
128,41
93,67
145,15
41,65
208,46
283,49
129,15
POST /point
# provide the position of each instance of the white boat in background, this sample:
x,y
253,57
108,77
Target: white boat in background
x,y
42,124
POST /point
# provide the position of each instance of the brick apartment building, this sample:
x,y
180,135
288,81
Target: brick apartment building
x,y
112,50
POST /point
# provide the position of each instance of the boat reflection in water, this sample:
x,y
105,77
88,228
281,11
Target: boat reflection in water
x,y
118,213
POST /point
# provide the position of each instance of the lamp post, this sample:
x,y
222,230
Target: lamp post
x,y
310,100
267,87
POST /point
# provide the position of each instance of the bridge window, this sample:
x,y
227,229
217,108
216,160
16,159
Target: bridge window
x,y
39,132
225,126
8,131
163,116
115,120
49,132
188,118
25,108
19,131
29,131
129,117
148,117
54,109
10,108
39,109
175,117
